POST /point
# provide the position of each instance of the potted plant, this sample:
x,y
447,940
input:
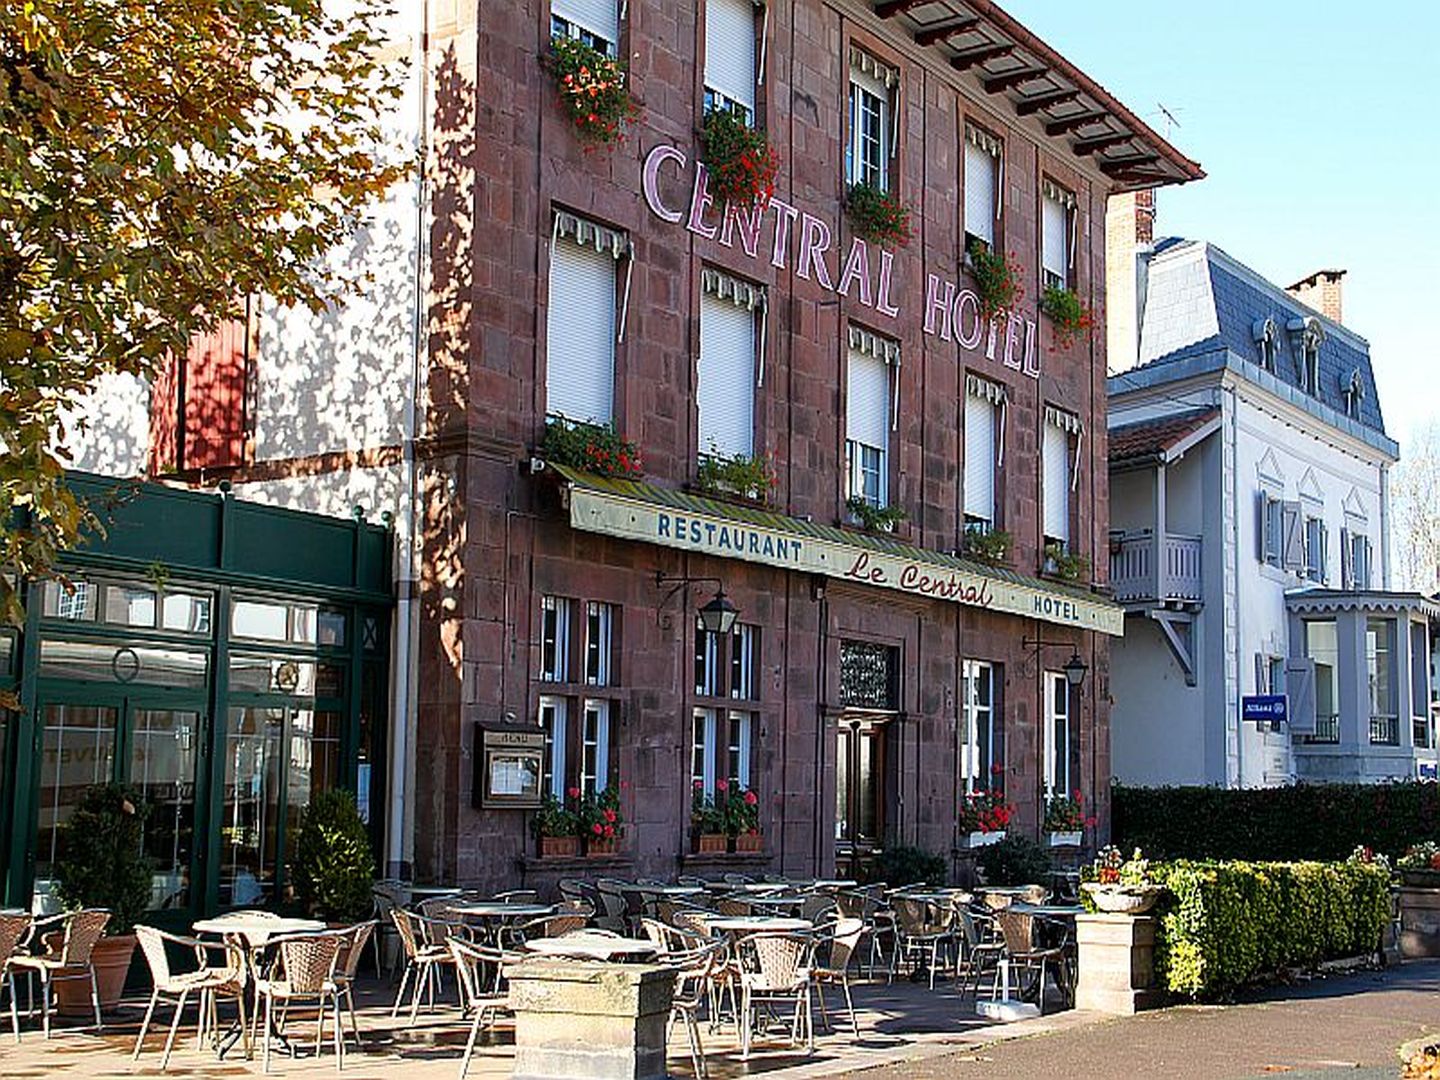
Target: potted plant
x,y
997,280
1065,820
878,216
592,448
1120,886
743,476
1067,314
874,518
983,817
1065,565
557,827
592,91
740,160
990,546
600,822
102,865
707,823
1420,866
334,868
742,820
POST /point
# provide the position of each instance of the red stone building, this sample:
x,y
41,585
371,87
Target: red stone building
x,y
872,677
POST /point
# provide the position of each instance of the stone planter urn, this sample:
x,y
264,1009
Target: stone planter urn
x,y
748,842
981,839
1122,899
559,847
111,957
709,843
1068,838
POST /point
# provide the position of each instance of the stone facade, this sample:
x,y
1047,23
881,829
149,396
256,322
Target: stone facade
x,y
497,540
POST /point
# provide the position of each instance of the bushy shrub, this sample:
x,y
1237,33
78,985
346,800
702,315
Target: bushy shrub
x,y
101,864
1016,860
1226,924
334,866
1306,821
906,865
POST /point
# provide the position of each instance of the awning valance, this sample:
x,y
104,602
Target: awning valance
x,y
880,72
1067,422
993,392
732,288
636,511
882,348
588,233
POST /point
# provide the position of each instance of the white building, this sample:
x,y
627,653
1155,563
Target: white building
x,y
1249,473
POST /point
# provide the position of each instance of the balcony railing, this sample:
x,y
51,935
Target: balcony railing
x,y
1140,572
1384,730
1326,733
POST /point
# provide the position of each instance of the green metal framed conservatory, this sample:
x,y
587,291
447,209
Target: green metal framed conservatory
x,y
227,659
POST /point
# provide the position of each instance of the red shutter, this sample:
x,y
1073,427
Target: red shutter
x,y
199,408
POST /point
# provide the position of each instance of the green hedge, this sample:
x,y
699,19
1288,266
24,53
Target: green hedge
x,y
1226,924
1306,821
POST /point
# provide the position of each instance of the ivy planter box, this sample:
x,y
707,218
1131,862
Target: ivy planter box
x,y
708,843
982,839
1420,879
559,847
747,842
596,847
720,489
1069,838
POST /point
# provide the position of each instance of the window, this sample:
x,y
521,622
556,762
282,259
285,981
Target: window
x,y
1060,749
726,371
1057,207
1380,668
1283,535
1419,686
201,403
555,639
595,748
984,155
1269,674
1306,337
552,720
599,632
730,77
594,22
1058,478
1317,544
721,736
872,140
1266,338
1355,557
869,676
984,417
867,428
1322,645
580,320
1272,530
982,756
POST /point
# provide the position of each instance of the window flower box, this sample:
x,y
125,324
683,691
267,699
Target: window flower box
x,y
600,845
981,839
709,843
748,842
559,847
1065,838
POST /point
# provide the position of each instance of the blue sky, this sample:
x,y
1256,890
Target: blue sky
x,y
1315,124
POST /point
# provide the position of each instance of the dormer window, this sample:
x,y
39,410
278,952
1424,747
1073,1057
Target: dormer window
x,y
1266,337
1306,337
1354,393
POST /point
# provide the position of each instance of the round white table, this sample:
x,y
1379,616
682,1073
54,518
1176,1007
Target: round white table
x,y
498,909
583,946
759,924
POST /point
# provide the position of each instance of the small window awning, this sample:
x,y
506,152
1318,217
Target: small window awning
x,y
632,510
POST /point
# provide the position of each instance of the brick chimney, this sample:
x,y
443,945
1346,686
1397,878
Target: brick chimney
x,y
1129,234
1322,291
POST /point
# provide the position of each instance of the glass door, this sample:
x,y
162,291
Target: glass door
x,y
859,791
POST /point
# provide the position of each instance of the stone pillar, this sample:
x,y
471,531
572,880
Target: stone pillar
x,y
1116,963
589,1021
1419,922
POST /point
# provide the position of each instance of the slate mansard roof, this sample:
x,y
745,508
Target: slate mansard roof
x,y
1200,302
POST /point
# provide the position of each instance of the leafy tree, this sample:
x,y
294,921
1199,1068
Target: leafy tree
x,y
100,862
334,866
160,161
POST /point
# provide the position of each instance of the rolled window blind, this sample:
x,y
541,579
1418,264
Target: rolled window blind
x,y
979,457
1056,482
1055,248
580,333
867,412
980,183
725,391
730,49
600,17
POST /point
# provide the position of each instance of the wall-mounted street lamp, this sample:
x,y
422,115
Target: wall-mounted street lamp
x,y
717,615
1075,669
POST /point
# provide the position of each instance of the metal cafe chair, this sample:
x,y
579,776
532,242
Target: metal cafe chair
x,y
981,948
425,956
175,987
694,969
841,943
920,925
14,926
347,970
70,961
485,1004
1023,953
305,973
775,970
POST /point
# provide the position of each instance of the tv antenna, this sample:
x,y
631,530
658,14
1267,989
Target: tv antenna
x,y
1170,119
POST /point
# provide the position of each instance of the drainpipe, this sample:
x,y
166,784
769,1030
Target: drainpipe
x,y
399,834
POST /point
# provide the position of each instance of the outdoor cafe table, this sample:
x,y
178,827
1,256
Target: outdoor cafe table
x,y
493,913
254,930
780,903
672,890
759,924
583,946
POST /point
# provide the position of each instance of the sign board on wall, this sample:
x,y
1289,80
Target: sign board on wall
x,y
508,762
1264,709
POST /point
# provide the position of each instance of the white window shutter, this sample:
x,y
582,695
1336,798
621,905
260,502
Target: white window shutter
x,y
725,391
867,405
1055,248
1262,533
1293,549
1300,690
730,49
1347,572
580,333
980,457
600,17
1056,482
980,183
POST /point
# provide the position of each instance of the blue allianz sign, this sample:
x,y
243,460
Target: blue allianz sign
x,y
1263,708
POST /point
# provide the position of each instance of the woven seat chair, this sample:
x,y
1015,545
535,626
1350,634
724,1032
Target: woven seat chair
x,y
546,926
175,987
516,896
774,970
614,910
304,973
694,970
981,948
737,879
479,995
388,895
1021,952
734,907
839,946
14,928
921,925
692,920
348,968
425,957
67,960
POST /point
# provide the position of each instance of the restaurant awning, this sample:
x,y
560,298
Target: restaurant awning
x,y
637,511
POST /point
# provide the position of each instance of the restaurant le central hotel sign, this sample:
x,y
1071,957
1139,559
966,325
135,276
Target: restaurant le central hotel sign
x,y
787,236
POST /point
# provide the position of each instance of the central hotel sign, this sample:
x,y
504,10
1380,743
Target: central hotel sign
x,y
800,239
709,534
